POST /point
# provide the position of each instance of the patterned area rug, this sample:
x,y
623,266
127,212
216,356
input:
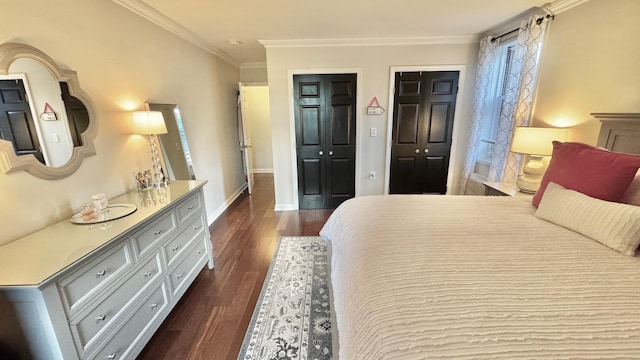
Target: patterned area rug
x,y
292,319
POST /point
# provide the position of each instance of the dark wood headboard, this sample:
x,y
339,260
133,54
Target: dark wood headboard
x,y
619,132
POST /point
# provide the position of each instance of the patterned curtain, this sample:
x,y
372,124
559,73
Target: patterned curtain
x,y
518,100
481,104
517,103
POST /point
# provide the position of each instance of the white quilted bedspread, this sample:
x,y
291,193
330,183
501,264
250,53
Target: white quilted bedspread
x,y
452,277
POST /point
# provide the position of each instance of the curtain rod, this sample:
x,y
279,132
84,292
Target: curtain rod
x,y
538,21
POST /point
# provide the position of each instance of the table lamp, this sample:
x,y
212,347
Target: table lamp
x,y
151,123
537,143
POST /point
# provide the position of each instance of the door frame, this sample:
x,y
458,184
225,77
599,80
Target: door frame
x,y
456,117
292,122
246,163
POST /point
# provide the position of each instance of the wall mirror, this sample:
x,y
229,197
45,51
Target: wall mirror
x,y
47,123
174,146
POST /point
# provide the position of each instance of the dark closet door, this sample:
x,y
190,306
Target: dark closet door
x,y
424,106
325,139
16,122
77,114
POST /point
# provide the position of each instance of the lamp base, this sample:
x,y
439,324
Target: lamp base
x,y
527,184
529,181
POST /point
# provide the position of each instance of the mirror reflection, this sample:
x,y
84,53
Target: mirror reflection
x,y
39,115
174,146
47,124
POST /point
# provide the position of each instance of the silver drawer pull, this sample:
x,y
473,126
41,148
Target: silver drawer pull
x,y
175,248
101,318
197,227
111,356
101,273
179,276
157,232
154,305
147,274
200,251
190,207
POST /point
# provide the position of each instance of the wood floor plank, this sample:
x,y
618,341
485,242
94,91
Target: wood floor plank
x,y
212,317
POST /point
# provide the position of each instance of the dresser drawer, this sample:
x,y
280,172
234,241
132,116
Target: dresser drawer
x,y
120,345
149,237
191,205
82,284
194,260
177,246
89,324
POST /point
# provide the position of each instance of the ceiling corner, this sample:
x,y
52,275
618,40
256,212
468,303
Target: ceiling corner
x,y
142,9
559,6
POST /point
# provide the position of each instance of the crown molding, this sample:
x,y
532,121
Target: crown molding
x,y
253,65
142,9
559,6
435,40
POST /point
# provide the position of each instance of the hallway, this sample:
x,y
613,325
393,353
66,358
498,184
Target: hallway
x,y
210,320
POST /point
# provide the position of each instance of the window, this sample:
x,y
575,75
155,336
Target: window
x,y
498,88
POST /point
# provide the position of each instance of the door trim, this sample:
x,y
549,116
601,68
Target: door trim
x,y
292,123
456,121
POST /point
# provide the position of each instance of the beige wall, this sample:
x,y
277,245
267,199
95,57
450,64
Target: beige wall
x,y
253,73
256,112
122,61
590,64
373,63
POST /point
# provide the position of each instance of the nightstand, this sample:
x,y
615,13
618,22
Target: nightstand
x,y
492,188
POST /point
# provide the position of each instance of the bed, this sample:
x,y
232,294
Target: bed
x,y
468,277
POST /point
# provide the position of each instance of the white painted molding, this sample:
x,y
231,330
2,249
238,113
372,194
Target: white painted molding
x,y
559,6
285,207
253,65
262,171
139,7
216,214
436,40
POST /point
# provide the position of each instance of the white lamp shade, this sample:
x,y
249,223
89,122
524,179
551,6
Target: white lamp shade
x,y
148,123
536,140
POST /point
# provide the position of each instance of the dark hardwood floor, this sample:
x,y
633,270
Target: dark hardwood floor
x,y
210,320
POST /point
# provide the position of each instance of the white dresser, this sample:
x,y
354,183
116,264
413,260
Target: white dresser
x,y
100,291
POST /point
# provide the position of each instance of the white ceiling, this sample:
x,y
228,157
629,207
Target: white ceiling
x,y
212,23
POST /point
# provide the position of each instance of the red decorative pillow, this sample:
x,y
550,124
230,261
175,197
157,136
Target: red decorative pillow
x,y
594,172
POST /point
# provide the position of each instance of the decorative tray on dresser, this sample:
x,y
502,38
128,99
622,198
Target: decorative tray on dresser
x,y
100,291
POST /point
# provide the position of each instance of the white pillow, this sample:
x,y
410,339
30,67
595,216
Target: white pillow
x,y
612,224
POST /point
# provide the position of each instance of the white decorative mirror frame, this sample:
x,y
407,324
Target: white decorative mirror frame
x,y
9,161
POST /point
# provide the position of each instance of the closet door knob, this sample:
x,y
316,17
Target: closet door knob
x,y
426,151
320,152
330,152
417,151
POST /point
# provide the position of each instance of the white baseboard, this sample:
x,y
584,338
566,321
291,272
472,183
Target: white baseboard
x,y
214,215
285,207
262,171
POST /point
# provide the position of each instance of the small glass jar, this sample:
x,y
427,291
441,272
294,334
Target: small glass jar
x,y
88,213
100,202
